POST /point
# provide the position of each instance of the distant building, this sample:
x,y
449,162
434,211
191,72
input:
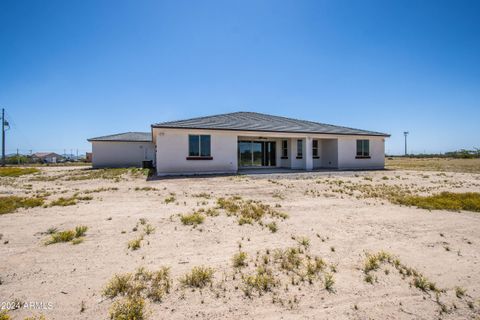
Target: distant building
x,y
47,157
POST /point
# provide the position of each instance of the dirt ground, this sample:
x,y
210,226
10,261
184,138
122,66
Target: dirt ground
x,y
342,227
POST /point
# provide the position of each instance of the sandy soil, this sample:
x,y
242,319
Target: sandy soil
x,y
342,228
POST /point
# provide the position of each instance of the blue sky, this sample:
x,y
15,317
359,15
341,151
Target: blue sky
x,y
70,70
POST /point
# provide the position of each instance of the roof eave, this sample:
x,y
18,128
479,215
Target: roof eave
x,y
270,131
103,140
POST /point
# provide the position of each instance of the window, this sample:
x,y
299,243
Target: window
x,y
363,148
315,148
284,149
199,146
299,149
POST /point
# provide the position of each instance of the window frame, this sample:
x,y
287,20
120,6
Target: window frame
x,y
198,155
284,149
362,149
315,154
299,149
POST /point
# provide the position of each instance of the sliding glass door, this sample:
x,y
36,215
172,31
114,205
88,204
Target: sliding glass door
x,y
244,153
256,154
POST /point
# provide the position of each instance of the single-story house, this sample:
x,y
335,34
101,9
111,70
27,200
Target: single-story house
x,y
227,143
47,157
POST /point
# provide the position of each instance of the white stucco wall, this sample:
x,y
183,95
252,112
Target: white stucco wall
x,y
347,149
336,151
296,163
121,154
329,153
173,152
284,163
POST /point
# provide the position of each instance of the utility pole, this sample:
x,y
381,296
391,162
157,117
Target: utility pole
x,y
3,137
405,133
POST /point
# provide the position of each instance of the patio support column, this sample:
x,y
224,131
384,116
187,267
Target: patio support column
x,y
308,154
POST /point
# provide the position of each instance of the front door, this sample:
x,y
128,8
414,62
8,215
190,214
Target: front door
x,y
256,154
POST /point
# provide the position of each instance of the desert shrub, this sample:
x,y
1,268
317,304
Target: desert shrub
x,y
202,195
469,201
328,281
77,241
61,236
149,229
135,244
304,241
272,226
240,259
119,285
63,202
145,189
369,278
244,220
460,292
130,308
422,283
160,284
4,315
80,231
276,272
171,198
115,174
11,203
263,280
198,277
289,259
84,198
75,236
150,284
16,171
230,205
313,268
103,189
212,212
192,219
248,211
374,261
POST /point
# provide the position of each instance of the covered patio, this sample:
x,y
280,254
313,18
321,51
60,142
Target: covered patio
x,y
298,153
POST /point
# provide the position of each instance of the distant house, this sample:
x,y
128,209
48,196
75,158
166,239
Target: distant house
x,y
230,142
47,157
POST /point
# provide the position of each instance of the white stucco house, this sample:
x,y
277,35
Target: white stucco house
x,y
227,143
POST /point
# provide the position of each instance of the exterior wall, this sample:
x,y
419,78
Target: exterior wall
x,y
172,146
329,153
296,163
285,163
121,154
347,149
335,151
